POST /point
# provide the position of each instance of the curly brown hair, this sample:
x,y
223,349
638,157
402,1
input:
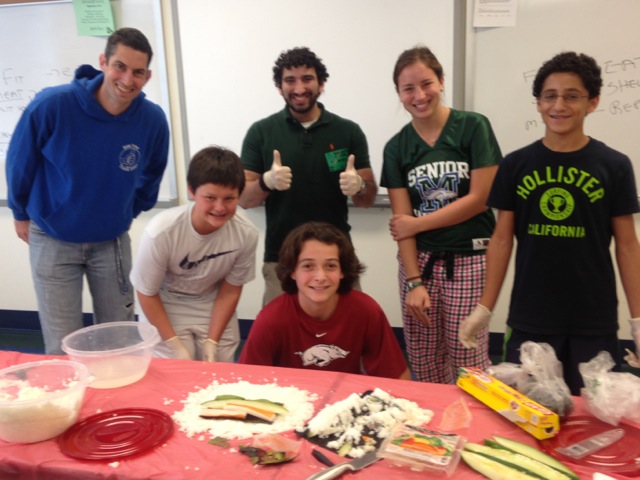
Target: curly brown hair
x,y
299,57
325,233
571,62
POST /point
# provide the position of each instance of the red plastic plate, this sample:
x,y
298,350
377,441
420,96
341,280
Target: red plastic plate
x,y
621,457
116,434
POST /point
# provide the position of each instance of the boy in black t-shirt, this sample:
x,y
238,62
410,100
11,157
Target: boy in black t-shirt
x,y
563,198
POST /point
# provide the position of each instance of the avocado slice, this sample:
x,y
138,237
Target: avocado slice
x,y
220,401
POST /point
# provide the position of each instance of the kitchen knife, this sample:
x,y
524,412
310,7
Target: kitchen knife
x,y
339,469
592,444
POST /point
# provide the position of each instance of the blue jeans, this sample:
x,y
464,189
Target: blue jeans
x,y
58,269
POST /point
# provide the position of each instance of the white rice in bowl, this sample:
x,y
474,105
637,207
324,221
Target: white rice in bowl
x,y
28,416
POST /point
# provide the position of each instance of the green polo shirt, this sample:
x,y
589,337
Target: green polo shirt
x,y
316,156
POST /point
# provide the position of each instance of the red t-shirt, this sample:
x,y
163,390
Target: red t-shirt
x,y
357,338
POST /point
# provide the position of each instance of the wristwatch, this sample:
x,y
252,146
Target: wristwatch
x,y
412,285
263,184
363,189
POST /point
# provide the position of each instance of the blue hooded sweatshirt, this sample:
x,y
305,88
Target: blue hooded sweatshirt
x,y
80,173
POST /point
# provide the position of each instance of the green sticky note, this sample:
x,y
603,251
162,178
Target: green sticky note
x,y
337,159
93,17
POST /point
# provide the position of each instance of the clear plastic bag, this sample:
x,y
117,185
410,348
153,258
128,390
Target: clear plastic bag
x,y
610,396
539,377
546,384
507,372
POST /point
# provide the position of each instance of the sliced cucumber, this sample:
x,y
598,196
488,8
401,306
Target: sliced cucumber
x,y
529,451
345,449
518,461
492,469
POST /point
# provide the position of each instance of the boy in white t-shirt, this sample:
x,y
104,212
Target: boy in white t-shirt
x,y
193,260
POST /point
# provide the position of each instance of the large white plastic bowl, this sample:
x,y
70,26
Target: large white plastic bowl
x,y
40,400
116,353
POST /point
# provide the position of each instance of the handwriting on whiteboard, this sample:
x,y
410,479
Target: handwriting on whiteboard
x,y
620,94
18,87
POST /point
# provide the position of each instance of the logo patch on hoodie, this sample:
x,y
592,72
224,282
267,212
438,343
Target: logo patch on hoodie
x,y
129,157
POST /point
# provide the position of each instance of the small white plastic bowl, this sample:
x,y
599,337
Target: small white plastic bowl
x,y
40,400
116,353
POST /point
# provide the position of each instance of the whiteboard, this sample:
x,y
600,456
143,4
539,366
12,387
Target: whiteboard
x,y
228,48
41,49
505,61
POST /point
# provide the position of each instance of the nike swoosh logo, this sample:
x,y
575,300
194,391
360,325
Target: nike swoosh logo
x,y
321,334
186,264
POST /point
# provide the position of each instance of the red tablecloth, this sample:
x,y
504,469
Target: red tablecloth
x,y
180,457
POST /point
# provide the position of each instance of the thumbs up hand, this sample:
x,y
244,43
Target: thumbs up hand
x,y
279,177
350,182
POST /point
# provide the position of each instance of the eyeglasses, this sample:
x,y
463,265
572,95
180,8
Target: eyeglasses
x,y
552,97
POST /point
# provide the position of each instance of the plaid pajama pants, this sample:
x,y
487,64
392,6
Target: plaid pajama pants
x,y
434,351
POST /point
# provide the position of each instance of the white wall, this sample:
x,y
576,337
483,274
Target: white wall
x,y
373,243
227,70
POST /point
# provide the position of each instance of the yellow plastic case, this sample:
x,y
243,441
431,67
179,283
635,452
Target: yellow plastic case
x,y
529,415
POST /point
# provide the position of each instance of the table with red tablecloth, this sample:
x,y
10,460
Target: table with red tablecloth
x,y
169,382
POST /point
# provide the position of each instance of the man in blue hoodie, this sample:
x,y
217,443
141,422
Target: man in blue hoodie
x,y
84,160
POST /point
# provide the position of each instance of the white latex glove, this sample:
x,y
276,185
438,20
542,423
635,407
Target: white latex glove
x,y
471,326
178,349
632,358
209,350
279,177
350,182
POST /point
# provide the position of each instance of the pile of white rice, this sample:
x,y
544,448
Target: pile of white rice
x,y
298,402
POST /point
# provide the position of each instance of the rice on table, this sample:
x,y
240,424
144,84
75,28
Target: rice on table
x,y
298,402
